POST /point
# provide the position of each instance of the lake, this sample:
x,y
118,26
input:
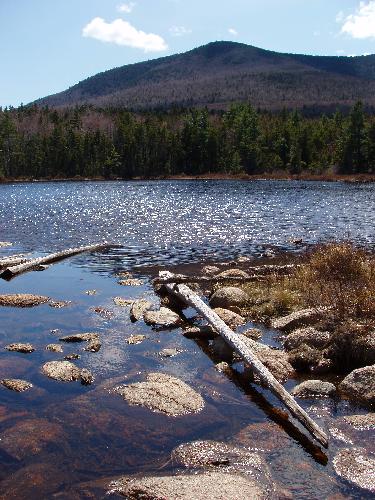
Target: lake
x,y
67,440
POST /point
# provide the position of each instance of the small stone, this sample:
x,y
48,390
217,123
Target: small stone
x,y
130,282
64,371
253,333
16,384
242,258
23,300
138,308
210,270
55,331
90,292
124,274
54,348
164,317
223,367
59,304
24,348
121,302
71,356
87,377
205,332
169,353
5,244
357,467
233,273
135,339
232,319
162,393
314,389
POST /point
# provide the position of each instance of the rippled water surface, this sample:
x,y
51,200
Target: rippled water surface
x,y
177,221
67,441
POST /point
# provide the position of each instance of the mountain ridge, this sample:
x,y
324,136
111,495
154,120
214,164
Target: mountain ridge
x,y
220,73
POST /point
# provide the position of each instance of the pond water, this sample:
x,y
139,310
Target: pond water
x,y
66,440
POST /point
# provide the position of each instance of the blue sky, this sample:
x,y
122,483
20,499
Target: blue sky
x,y
49,45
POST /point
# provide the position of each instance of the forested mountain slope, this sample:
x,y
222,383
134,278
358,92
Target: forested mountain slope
x,y
221,73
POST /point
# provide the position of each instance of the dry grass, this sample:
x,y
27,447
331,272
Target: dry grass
x,y
340,277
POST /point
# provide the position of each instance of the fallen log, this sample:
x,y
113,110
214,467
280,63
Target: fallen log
x,y
31,264
187,295
14,260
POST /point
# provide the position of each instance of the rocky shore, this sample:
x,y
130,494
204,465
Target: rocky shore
x,y
327,347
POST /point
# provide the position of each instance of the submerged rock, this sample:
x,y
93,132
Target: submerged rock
x,y
276,361
232,319
228,297
24,348
93,346
211,485
59,304
169,353
360,385
103,312
230,459
138,308
162,393
164,317
298,319
91,292
252,333
308,336
361,422
54,348
16,384
314,389
64,371
29,437
23,300
223,367
357,467
71,356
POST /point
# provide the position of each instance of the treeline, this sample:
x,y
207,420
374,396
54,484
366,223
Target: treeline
x,y
112,143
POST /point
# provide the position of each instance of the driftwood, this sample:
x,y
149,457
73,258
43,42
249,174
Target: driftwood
x,y
189,297
31,264
14,260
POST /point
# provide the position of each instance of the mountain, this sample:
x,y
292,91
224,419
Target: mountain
x,y
220,73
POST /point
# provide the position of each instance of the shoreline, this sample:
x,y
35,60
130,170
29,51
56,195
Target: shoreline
x,y
350,179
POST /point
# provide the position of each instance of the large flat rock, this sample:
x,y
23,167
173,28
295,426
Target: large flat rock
x,y
162,393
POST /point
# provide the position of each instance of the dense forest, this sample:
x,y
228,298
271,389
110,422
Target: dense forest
x,y
89,142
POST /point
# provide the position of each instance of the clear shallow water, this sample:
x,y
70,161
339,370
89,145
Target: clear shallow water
x,y
180,221
76,436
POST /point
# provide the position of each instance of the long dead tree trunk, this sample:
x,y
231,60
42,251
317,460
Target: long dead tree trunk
x,y
31,264
189,297
14,260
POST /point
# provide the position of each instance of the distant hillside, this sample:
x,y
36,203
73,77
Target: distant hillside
x,y
220,73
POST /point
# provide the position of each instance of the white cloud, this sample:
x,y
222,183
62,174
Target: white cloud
x,y
126,8
179,31
232,31
121,32
362,23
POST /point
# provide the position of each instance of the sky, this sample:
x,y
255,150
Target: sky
x,y
48,45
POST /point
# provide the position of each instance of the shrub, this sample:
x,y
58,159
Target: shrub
x,y
341,278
